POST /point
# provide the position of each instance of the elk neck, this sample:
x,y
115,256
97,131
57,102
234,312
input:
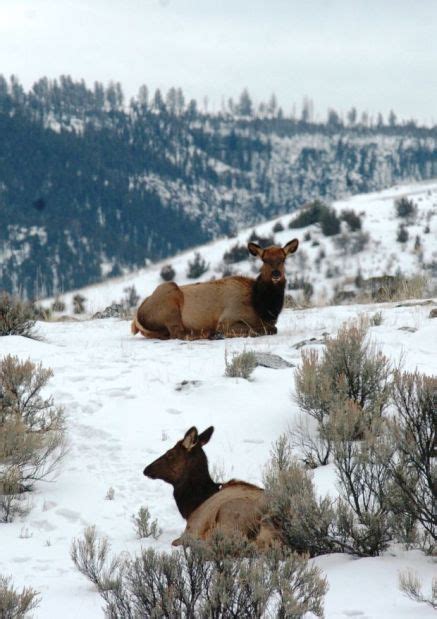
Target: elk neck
x,y
268,299
191,492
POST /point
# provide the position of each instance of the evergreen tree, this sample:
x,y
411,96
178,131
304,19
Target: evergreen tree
x,y
245,107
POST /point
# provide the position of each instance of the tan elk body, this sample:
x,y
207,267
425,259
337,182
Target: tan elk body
x,y
232,306
233,507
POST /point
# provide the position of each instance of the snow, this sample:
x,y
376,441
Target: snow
x,y
123,410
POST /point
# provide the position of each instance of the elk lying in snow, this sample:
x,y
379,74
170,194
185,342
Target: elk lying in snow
x,y
233,507
232,306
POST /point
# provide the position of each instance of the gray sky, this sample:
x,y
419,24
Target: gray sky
x,y
372,54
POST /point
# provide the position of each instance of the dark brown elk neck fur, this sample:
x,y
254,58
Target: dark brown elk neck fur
x,y
192,491
268,299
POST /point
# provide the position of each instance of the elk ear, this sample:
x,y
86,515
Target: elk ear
x,y
291,247
190,439
206,435
255,249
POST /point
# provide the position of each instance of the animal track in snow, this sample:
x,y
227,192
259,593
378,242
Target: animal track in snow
x,y
173,411
68,514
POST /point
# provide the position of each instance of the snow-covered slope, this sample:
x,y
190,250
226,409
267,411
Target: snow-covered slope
x,y
320,260
124,408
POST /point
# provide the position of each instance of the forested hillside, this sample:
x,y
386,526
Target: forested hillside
x,y
91,185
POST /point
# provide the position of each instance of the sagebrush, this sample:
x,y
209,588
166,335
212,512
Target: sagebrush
x,y
16,317
225,579
240,365
32,431
144,526
14,604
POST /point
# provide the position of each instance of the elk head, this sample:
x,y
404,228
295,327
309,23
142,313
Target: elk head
x,y
183,461
273,268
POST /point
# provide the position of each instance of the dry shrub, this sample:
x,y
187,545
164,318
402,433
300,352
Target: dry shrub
x,y
386,465
350,369
16,317
58,305
143,525
241,364
31,427
305,522
376,320
131,297
12,501
411,585
225,578
15,605
413,429
91,557
358,522
388,288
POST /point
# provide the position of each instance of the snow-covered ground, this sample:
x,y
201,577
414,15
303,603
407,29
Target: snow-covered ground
x,y
124,408
318,260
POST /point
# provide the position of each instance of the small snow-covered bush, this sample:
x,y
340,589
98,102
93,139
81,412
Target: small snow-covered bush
x,y
16,317
308,215
58,305
168,273
15,605
329,222
405,207
31,426
143,525
376,320
300,283
263,241
131,297
241,364
197,266
237,253
278,227
352,219
402,234
79,304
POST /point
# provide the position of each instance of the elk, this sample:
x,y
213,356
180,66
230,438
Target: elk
x,y
232,507
229,307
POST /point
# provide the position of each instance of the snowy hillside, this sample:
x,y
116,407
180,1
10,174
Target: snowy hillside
x,y
327,263
125,406
101,186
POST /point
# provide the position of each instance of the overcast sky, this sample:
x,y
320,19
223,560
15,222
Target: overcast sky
x,y
372,54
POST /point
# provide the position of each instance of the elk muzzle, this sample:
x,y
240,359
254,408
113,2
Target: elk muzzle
x,y
149,472
276,276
